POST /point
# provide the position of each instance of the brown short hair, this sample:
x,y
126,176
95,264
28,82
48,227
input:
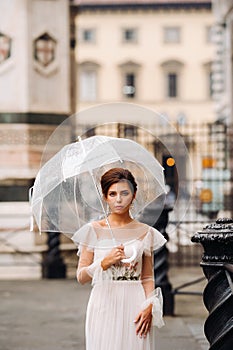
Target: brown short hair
x,y
115,175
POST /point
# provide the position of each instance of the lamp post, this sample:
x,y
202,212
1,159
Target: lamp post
x,y
217,265
161,266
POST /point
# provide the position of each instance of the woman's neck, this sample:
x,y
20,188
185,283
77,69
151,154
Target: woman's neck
x,y
116,220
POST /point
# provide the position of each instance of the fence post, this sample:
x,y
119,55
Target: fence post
x,y
52,265
217,265
161,266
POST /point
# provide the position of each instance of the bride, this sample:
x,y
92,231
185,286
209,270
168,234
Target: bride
x,y
124,304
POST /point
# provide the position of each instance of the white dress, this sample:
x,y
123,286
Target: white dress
x,y
120,292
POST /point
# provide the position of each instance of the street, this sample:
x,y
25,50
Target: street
x,y
50,314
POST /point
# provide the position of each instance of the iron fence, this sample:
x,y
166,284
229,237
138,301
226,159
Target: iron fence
x,y
207,193
208,182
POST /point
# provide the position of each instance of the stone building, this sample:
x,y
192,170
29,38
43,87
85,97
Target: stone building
x,y
34,87
132,51
223,75
154,53
61,57
222,67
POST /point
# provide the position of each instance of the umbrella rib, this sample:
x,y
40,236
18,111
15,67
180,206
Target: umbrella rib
x,y
98,193
75,202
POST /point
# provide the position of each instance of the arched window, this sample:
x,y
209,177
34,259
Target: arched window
x,y
172,72
129,72
87,81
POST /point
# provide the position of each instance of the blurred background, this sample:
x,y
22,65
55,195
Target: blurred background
x,y
58,58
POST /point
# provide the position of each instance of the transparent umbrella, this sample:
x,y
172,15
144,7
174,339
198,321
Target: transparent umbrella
x,y
67,194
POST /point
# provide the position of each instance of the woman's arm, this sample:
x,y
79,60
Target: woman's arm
x,y
147,275
85,261
144,318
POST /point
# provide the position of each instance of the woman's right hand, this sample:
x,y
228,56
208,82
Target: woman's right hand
x,y
114,257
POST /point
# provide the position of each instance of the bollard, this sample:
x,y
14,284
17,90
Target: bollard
x,y
217,265
52,265
161,266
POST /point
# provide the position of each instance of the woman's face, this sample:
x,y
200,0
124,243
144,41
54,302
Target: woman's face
x,y
119,197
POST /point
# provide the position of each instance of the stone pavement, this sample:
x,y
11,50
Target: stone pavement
x,y
50,314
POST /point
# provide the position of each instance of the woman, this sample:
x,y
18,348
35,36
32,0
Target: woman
x,y
123,304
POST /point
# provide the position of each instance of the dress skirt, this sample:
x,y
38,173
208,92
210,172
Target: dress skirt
x,y
111,311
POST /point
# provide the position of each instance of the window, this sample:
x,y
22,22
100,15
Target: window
x,y
88,81
172,84
129,86
87,86
171,34
172,72
129,72
129,35
88,35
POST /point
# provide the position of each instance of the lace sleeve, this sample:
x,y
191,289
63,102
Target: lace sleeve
x,y
152,241
153,296
85,259
87,266
147,275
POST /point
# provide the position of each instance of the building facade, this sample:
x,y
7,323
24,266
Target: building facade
x,y
223,75
34,87
222,67
157,54
154,54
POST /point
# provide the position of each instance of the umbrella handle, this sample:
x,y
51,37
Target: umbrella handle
x,y
129,260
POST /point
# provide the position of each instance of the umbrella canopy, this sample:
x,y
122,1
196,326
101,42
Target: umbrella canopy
x,y
67,194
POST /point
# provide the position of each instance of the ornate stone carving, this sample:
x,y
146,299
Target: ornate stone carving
x,y
5,47
45,54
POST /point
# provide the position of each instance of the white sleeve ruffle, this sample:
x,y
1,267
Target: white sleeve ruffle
x,y
156,299
95,266
96,272
153,241
85,236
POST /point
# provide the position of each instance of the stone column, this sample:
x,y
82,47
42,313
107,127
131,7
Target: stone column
x,y
34,89
217,264
34,86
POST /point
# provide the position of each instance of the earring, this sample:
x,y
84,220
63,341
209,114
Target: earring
x,y
130,210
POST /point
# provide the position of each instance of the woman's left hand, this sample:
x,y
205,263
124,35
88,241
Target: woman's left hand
x,y
143,321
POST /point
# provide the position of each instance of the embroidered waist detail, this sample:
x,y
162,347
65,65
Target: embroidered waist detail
x,y
126,278
122,272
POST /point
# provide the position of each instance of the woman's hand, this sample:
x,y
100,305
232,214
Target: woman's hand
x,y
114,257
143,321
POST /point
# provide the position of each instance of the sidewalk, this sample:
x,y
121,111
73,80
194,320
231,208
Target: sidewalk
x,y
50,314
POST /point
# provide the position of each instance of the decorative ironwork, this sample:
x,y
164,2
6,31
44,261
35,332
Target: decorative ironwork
x,y
217,264
161,266
201,142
